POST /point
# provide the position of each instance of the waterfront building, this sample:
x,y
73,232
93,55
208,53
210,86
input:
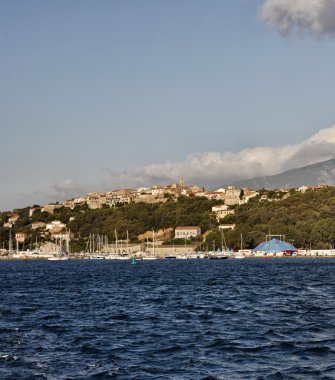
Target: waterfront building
x,y
186,232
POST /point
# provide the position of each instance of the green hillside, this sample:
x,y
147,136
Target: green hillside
x,y
305,219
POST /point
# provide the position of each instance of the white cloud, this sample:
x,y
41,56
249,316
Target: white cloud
x,y
215,169
65,189
314,17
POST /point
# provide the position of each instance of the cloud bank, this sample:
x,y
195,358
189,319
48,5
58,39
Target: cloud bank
x,y
303,17
213,169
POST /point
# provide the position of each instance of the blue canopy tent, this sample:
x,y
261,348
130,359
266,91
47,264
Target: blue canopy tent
x,y
275,245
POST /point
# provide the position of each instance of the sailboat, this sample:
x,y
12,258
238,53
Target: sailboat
x,y
62,255
221,254
151,256
240,254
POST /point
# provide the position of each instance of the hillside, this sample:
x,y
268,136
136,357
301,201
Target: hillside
x,y
321,172
305,219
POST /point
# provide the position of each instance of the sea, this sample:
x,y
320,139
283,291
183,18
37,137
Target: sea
x,y
168,319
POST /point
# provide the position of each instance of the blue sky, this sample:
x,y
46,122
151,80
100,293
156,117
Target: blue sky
x,y
95,93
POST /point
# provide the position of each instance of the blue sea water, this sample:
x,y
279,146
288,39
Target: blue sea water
x,y
168,319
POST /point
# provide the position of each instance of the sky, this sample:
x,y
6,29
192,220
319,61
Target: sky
x,y
105,94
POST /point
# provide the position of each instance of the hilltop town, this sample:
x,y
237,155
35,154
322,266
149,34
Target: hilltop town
x,y
187,216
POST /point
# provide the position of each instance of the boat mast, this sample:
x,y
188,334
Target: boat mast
x,y
10,243
116,246
127,242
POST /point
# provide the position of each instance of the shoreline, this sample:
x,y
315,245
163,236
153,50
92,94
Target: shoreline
x,y
79,257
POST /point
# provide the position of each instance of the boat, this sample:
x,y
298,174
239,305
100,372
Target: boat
x,y
239,255
58,258
218,256
149,258
241,252
97,257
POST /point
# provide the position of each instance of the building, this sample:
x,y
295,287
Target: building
x,y
227,227
186,232
36,225
96,200
69,203
232,196
62,235
222,211
32,210
20,237
247,195
50,208
55,225
13,218
303,189
79,201
214,195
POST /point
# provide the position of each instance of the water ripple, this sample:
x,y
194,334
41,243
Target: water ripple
x,y
190,319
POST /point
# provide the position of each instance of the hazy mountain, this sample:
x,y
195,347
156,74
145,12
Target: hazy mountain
x,y
321,172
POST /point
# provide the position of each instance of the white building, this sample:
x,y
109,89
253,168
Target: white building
x,y
222,211
55,224
227,227
187,232
303,189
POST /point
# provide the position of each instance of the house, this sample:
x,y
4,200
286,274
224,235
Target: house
x,y
186,232
302,189
227,227
247,195
50,208
13,218
96,200
114,198
20,237
221,190
62,235
55,225
214,195
149,198
32,210
36,225
200,193
69,203
79,201
222,211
